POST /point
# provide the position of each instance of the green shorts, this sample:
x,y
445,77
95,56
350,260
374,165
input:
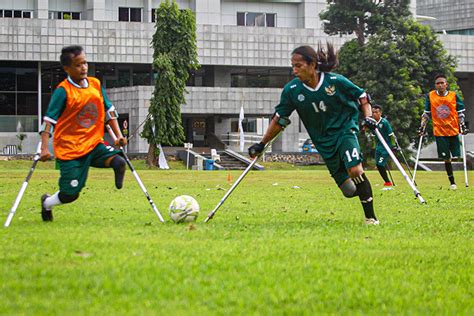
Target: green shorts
x,y
381,158
347,155
448,146
74,172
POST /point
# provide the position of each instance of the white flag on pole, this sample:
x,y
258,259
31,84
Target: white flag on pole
x,y
241,129
162,163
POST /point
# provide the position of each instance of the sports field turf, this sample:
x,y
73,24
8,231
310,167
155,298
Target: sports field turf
x,y
285,242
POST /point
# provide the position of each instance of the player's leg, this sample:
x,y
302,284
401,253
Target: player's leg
x,y
443,148
109,157
73,176
350,175
381,163
455,151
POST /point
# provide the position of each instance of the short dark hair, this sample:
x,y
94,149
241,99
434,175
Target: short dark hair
x,y
440,76
68,53
376,106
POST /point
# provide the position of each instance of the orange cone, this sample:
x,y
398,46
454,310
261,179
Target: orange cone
x,y
229,178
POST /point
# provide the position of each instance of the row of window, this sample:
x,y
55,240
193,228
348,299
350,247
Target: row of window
x,y
135,15
25,14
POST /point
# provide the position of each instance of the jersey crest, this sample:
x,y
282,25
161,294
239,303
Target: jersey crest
x,y
87,116
330,90
300,97
443,111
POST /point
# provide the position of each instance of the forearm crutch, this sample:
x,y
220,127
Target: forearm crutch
x,y
23,187
405,160
464,160
417,158
249,167
135,174
399,166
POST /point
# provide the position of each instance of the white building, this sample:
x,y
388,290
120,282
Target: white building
x,y
243,46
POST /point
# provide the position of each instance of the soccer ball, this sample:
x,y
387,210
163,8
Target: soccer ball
x,y
184,209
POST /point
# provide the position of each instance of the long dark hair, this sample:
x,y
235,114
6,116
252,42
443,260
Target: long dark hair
x,y
325,58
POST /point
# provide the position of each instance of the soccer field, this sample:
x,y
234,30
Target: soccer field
x,y
285,242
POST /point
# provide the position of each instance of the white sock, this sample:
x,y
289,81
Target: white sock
x,y
52,201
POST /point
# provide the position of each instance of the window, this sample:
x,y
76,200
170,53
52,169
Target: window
x,y
256,19
64,15
16,14
130,14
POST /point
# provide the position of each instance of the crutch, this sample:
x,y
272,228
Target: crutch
x,y
417,157
23,187
464,160
135,174
249,167
406,162
394,158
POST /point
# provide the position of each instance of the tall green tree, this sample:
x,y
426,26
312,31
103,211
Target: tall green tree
x,y
397,67
395,62
174,56
362,17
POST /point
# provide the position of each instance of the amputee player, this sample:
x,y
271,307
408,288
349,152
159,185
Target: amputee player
x,y
382,157
446,110
75,118
329,106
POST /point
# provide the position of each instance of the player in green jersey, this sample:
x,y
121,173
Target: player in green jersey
x,y
328,104
381,155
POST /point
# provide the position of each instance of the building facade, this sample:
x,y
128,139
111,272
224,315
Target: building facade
x,y
243,47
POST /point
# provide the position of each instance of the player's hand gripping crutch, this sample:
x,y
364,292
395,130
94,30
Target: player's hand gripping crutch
x,y
249,167
466,181
23,187
399,166
135,174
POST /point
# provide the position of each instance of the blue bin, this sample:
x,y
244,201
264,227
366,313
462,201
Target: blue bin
x,y
209,164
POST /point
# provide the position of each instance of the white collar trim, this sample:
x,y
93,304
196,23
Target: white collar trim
x,y
321,79
76,85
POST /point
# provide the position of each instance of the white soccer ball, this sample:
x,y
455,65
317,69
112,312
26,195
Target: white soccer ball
x,y
184,209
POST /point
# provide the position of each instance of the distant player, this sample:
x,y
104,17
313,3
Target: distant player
x,y
76,116
328,104
446,109
382,157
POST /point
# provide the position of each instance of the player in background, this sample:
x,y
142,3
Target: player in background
x,y
76,115
446,110
381,155
328,104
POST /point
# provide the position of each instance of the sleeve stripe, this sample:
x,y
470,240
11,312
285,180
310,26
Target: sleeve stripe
x,y
461,110
48,119
391,134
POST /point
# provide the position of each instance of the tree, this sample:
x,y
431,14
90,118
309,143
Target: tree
x,y
362,17
393,57
397,67
174,56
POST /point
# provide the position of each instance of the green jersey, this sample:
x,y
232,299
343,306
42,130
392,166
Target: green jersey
x,y
385,129
327,112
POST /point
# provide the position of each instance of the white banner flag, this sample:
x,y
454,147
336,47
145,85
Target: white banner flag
x,y
162,163
241,129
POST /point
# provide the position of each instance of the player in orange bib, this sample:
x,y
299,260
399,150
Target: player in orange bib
x,y
77,112
446,110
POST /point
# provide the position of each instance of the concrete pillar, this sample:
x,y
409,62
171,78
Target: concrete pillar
x,y
208,12
147,7
309,11
41,9
95,10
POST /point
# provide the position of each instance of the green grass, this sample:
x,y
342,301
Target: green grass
x,y
285,242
